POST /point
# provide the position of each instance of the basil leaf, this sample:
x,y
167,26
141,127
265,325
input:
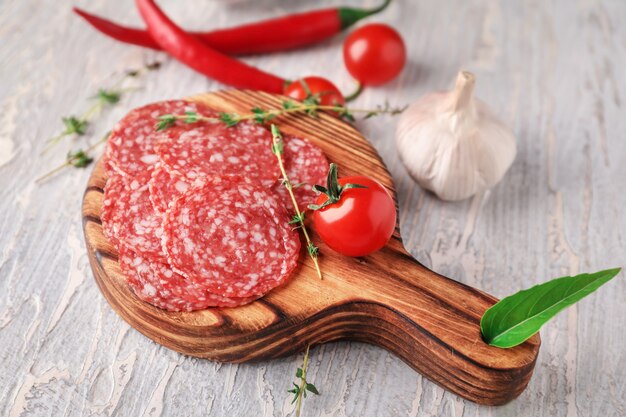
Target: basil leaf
x,y
516,318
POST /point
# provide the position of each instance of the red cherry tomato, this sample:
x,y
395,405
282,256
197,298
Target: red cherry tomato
x,y
374,54
361,222
329,94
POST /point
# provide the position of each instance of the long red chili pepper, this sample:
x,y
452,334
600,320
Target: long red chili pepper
x,y
204,59
125,34
278,34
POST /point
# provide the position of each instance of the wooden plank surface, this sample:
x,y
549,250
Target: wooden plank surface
x,y
553,70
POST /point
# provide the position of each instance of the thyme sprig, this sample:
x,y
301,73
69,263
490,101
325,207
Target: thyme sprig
x,y
278,150
385,109
74,125
309,106
299,391
79,125
78,159
104,97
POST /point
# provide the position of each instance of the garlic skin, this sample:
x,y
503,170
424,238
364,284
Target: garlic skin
x,y
452,144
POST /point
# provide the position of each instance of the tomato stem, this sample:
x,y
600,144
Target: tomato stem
x,y
355,94
333,189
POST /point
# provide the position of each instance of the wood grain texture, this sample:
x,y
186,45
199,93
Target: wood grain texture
x,y
386,298
553,70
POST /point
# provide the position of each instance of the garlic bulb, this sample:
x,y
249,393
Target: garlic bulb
x,y
452,144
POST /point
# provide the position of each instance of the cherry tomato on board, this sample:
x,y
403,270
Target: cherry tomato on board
x,y
360,222
374,54
329,94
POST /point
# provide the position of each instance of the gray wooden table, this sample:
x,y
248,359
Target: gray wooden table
x,y
554,70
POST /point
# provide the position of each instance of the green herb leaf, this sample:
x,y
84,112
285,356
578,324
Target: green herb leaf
x,y
259,115
313,250
165,121
297,219
230,119
299,392
191,117
300,184
516,318
262,116
108,96
277,149
277,146
311,102
74,125
79,159
283,181
289,104
344,113
295,391
386,109
310,387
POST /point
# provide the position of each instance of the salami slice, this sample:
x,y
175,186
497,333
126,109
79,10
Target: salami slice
x,y
165,187
130,149
306,165
214,149
111,220
232,237
129,217
156,283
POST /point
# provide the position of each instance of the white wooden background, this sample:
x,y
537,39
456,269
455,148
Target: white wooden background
x,y
554,70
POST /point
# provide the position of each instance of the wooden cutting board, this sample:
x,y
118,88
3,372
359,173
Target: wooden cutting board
x,y
387,298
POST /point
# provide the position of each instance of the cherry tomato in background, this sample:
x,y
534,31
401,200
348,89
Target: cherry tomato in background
x,y
374,54
329,94
361,222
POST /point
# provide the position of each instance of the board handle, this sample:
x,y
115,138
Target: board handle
x,y
433,324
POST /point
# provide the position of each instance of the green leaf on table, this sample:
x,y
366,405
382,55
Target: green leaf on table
x,y
516,318
74,125
310,387
79,159
108,96
295,391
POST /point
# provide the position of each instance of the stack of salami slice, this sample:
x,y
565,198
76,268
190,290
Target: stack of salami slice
x,y
197,211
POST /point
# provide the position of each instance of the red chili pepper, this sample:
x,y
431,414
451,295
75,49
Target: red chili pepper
x,y
204,59
121,33
278,34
